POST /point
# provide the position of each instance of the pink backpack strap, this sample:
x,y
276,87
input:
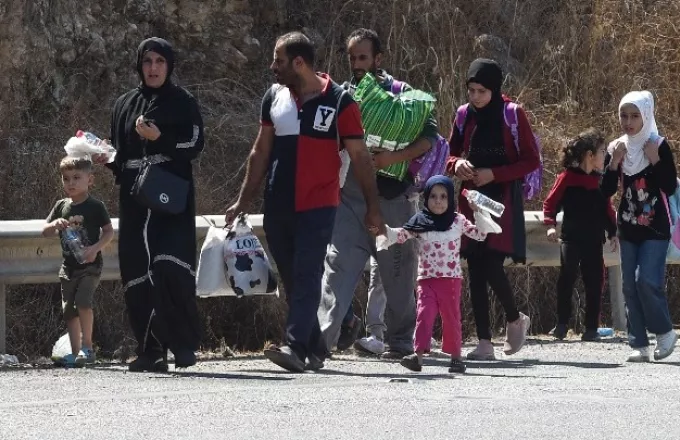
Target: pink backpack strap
x,y
397,87
510,115
659,140
664,197
461,115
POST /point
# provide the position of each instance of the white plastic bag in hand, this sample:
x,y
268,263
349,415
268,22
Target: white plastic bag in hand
x,y
383,242
485,223
79,146
211,279
248,269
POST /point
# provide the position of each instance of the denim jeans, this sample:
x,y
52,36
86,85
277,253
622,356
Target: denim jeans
x,y
643,266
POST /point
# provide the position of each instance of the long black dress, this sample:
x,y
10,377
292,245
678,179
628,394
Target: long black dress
x,y
158,252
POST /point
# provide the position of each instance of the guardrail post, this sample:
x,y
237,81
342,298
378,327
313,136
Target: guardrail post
x,y
3,320
619,319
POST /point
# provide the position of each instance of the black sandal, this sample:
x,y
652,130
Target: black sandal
x,y
457,366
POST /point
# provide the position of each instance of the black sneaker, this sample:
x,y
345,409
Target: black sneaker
x,y
411,362
314,363
590,336
559,332
151,362
349,334
457,366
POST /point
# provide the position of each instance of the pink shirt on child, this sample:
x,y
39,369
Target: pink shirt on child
x,y
439,251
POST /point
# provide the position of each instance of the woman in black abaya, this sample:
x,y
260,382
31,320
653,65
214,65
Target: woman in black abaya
x,y
160,121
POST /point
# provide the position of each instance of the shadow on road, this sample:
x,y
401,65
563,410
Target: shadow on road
x,y
206,375
331,372
607,340
529,363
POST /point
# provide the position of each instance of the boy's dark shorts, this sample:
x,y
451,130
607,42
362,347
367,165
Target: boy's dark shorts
x,y
77,288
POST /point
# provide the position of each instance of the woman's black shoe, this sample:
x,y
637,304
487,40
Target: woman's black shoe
x,y
153,363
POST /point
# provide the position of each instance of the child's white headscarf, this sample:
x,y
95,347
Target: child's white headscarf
x,y
635,159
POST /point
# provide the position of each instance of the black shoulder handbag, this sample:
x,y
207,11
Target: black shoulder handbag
x,y
160,190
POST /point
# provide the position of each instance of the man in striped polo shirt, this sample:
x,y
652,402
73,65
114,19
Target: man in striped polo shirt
x,y
303,118
391,313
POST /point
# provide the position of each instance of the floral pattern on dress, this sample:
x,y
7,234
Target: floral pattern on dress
x,y
439,251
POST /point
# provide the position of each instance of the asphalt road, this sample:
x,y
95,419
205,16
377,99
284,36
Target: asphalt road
x,y
568,390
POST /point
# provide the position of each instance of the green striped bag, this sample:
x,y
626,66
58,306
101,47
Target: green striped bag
x,y
391,122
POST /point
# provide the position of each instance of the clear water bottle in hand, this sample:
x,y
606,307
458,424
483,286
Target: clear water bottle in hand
x,y
74,244
484,202
90,137
96,148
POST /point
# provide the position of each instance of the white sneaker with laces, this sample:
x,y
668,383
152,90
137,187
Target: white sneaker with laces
x,y
641,354
371,345
665,344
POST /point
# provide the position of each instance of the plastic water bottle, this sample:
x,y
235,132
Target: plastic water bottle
x,y
605,331
8,359
74,244
484,202
90,137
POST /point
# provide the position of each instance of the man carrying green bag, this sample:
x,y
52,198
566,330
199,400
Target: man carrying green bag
x,y
392,121
393,277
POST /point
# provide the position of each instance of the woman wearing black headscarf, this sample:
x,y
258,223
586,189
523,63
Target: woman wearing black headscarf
x,y
484,157
160,122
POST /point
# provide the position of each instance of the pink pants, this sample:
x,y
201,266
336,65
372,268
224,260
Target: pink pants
x,y
439,295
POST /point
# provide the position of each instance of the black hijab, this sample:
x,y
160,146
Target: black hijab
x,y
486,144
171,108
426,220
161,47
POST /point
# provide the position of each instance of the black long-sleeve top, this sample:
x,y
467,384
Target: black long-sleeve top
x,y
643,213
588,214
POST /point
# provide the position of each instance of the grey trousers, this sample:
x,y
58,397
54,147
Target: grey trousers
x,y
350,248
377,301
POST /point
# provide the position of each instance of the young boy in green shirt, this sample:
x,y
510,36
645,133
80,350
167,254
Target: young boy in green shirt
x,y
84,227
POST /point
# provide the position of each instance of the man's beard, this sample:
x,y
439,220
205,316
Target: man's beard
x,y
360,73
283,78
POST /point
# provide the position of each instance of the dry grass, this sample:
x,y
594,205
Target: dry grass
x,y
570,62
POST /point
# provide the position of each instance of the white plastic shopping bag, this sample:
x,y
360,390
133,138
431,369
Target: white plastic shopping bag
x,y
485,223
62,347
211,279
248,269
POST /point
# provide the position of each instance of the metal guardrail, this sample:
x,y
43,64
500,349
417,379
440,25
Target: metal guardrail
x,y
26,257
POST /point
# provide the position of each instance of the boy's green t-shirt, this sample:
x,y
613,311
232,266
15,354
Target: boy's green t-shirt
x,y
87,218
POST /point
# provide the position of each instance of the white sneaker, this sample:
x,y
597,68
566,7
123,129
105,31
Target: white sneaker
x,y
370,345
665,344
639,355
483,352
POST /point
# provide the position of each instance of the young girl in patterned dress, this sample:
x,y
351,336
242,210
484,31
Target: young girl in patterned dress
x,y
438,229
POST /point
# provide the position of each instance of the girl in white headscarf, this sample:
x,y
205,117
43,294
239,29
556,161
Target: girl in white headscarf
x,y
643,163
